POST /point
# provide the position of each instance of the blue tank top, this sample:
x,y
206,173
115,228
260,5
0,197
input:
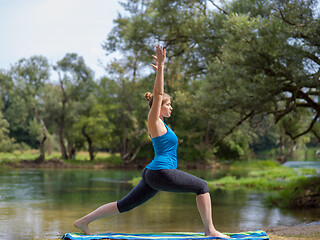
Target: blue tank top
x,y
165,150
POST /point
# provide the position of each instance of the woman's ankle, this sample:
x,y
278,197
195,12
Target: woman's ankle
x,y
210,230
83,225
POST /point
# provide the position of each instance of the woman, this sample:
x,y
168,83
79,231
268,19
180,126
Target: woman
x,y
161,174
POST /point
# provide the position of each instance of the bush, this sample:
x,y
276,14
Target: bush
x,y
302,193
114,159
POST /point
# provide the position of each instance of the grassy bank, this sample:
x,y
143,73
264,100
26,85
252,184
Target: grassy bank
x,y
81,157
293,188
300,193
260,175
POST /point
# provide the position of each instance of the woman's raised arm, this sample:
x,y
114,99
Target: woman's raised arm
x,y
158,90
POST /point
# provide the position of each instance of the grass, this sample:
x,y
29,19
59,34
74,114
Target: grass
x,y
308,171
261,175
135,181
18,155
231,182
80,158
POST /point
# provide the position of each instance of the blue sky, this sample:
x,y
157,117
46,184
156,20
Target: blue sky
x,y
53,28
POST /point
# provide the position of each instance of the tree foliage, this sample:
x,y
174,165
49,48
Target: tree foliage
x,y
243,74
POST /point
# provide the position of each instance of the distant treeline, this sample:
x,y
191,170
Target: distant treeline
x,y
244,77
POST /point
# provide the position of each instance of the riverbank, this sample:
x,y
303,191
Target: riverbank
x,y
58,164
26,159
305,232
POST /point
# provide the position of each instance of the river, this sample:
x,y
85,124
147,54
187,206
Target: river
x,y
37,204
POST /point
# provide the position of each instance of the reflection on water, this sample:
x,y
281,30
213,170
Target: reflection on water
x,y
37,204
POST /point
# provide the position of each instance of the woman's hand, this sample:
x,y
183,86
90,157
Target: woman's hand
x,y
160,58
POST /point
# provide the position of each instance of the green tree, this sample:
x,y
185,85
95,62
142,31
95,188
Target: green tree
x,y
6,143
185,28
75,85
28,78
123,96
230,66
107,96
95,126
269,64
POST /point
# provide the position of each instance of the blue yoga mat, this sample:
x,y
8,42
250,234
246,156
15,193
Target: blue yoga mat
x,y
253,235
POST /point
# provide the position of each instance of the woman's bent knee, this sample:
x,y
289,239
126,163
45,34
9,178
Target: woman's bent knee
x,y
204,188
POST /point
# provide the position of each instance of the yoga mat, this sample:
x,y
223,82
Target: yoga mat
x,y
252,235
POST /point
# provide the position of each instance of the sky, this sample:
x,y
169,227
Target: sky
x,y
52,28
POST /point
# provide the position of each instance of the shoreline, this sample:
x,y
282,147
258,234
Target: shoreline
x,y
307,232
56,163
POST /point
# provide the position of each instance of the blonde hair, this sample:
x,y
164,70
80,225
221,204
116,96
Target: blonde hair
x,y
149,97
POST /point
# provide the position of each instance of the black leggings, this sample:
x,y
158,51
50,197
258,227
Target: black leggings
x,y
171,180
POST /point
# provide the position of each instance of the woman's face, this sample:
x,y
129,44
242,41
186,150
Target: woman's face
x,y
166,109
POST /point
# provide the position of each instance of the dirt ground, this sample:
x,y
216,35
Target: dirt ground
x,y
311,232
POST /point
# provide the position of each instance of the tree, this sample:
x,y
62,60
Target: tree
x,y
28,78
94,125
76,84
6,143
269,64
123,96
174,23
244,60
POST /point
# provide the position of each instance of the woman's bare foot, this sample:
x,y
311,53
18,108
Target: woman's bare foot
x,y
83,226
217,234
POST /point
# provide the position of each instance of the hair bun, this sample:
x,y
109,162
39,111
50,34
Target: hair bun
x,y
148,96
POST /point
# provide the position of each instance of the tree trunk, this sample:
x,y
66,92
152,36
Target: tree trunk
x,y
281,158
90,144
41,158
71,150
124,143
125,152
207,135
63,150
62,146
135,153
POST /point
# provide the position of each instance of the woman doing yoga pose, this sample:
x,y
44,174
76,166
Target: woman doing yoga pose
x,y
161,174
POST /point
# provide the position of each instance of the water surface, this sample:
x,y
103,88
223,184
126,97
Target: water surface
x,y
36,204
